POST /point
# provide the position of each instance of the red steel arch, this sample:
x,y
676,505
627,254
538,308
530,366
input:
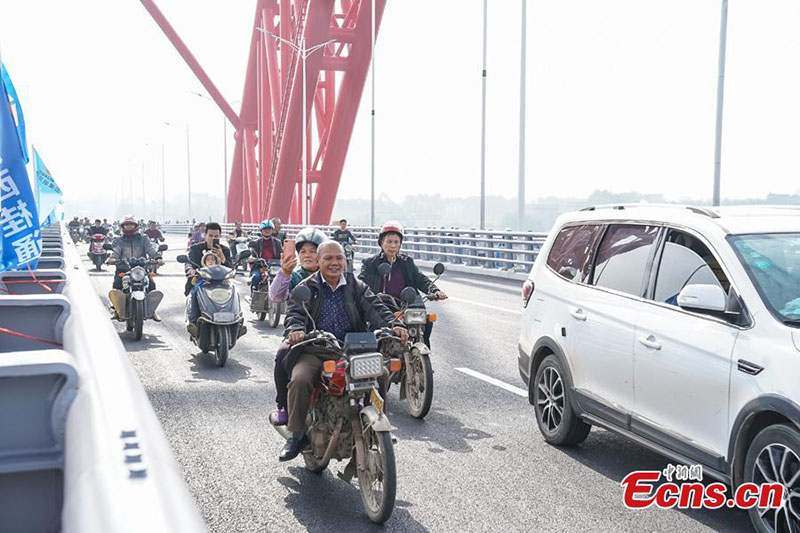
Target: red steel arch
x,y
266,172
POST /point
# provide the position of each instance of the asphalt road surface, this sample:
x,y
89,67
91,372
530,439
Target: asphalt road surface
x,y
476,463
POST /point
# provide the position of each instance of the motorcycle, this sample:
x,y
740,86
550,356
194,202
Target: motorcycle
x,y
135,303
349,255
220,323
152,268
260,302
346,419
75,235
237,246
415,377
98,254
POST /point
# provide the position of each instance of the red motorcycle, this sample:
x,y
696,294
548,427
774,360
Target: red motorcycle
x,y
97,253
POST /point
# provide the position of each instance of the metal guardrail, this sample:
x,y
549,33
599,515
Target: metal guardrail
x,y
498,253
85,442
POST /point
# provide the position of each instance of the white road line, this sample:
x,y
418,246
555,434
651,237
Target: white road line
x,y
493,381
495,307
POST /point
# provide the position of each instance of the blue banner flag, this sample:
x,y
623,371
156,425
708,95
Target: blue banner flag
x,y
20,238
48,193
16,111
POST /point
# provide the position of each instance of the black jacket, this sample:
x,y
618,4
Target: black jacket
x,y
365,310
196,255
258,247
344,236
414,278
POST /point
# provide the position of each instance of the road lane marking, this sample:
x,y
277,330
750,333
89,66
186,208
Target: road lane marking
x,y
493,381
495,307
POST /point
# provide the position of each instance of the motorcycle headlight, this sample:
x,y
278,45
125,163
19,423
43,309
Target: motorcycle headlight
x,y
220,295
273,270
416,316
368,365
138,273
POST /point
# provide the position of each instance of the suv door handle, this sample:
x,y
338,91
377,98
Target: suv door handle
x,y
578,314
650,342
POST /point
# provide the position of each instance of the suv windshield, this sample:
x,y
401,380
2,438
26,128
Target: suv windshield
x,y
773,264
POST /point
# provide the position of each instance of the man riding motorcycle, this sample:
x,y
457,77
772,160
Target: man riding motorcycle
x,y
305,243
97,228
404,272
237,231
133,244
209,244
278,234
153,233
339,304
267,248
343,235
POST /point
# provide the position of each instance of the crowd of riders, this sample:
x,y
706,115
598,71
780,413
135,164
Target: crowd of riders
x,y
342,302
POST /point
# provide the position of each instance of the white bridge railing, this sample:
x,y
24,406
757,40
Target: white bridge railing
x,y
507,254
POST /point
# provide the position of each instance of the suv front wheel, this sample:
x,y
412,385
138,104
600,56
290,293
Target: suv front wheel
x,y
774,457
552,402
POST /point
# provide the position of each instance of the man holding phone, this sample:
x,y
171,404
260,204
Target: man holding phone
x,y
210,243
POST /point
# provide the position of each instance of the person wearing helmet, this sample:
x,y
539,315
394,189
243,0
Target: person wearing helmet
x,y
130,245
404,271
267,248
291,274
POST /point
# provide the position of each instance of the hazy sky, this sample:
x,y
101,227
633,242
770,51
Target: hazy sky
x,y
621,95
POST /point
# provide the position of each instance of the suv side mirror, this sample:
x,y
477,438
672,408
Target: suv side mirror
x,y
703,298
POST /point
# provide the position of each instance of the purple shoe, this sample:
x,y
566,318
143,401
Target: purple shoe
x,y
279,417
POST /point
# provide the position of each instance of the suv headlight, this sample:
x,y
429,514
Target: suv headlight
x,y
369,365
138,273
220,295
416,316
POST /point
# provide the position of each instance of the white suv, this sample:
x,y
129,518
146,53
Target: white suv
x,y
678,327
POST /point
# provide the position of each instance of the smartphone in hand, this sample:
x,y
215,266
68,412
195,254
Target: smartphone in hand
x,y
216,242
288,248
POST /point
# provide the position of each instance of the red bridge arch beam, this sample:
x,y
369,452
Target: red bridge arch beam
x,y
266,169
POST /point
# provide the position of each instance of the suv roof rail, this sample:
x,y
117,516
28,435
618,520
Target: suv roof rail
x,y
619,207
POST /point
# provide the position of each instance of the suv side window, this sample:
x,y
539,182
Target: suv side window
x,y
623,256
571,254
686,261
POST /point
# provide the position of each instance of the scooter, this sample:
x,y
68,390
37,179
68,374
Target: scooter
x,y
97,253
239,245
220,323
259,297
349,255
135,303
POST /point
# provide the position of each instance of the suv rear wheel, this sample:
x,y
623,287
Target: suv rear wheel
x,y
557,421
774,457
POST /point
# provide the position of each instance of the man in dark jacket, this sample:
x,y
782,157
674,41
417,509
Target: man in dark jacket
x,y
339,304
404,271
267,248
210,242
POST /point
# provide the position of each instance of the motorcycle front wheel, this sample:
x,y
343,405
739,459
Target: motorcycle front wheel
x,y
378,482
223,345
419,388
138,318
274,314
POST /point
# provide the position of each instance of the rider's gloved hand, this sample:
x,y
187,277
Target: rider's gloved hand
x,y
440,295
160,262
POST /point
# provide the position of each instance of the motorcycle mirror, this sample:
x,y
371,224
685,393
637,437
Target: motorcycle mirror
x,y
301,294
244,254
384,269
409,295
438,269
183,259
107,247
162,247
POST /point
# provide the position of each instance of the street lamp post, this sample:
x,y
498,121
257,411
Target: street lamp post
x,y
302,52
189,170
483,120
522,80
723,37
224,152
